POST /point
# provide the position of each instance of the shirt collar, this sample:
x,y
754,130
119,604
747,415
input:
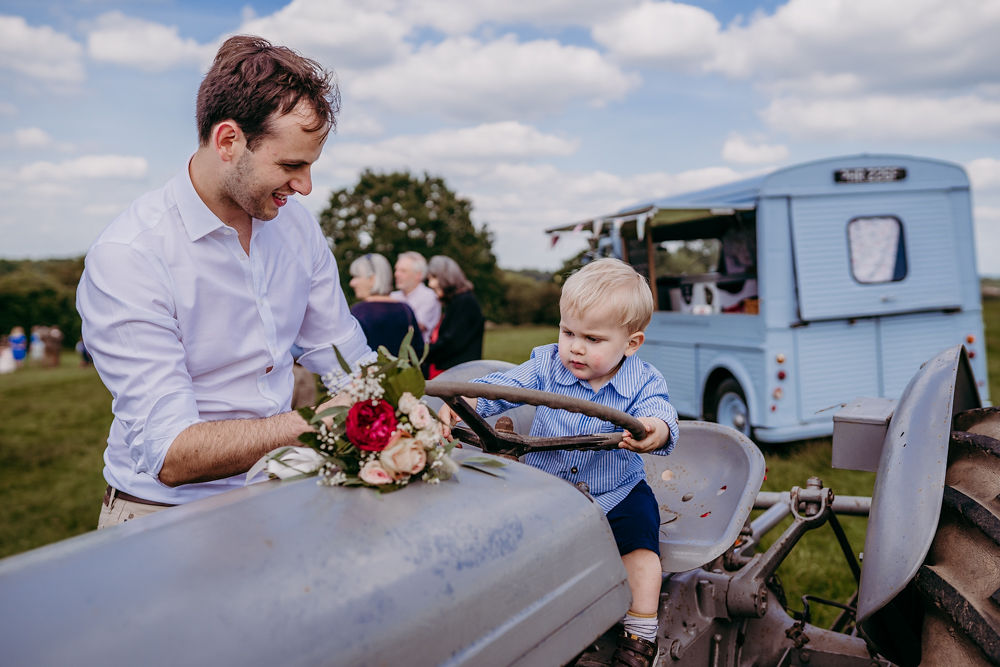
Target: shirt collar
x,y
197,218
625,381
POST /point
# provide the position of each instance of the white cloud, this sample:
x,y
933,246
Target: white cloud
x,y
31,137
739,150
820,45
466,78
341,34
40,53
123,40
667,33
880,44
88,167
485,144
455,18
984,173
883,117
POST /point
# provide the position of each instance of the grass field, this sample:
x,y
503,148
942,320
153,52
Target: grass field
x,y
54,422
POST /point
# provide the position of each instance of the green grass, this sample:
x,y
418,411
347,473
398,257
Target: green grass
x,y
53,427
54,422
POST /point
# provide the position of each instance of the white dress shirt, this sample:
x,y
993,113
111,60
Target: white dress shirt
x,y
425,305
185,327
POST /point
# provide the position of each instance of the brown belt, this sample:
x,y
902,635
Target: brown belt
x,y
112,491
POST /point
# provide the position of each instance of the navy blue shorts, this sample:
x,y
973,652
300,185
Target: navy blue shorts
x,y
635,521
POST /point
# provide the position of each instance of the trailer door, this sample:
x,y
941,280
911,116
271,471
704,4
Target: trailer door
x,y
868,254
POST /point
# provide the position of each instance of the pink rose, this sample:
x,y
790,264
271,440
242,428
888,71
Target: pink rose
x,y
373,473
403,457
370,424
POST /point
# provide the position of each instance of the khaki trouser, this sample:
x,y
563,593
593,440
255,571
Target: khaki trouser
x,y
120,510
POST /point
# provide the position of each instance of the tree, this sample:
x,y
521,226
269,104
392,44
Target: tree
x,y
40,292
396,212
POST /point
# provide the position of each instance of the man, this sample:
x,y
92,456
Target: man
x,y
192,299
411,269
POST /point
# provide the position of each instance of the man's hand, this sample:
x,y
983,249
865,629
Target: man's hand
x,y
657,435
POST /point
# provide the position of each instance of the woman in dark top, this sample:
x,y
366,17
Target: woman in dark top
x,y
384,320
459,335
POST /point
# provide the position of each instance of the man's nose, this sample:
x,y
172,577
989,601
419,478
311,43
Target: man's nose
x,y
302,183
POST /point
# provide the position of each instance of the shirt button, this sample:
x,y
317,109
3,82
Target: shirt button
x,y
574,470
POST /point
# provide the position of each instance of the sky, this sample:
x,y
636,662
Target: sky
x,y
540,113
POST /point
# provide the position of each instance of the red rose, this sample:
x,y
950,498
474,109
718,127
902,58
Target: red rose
x,y
369,426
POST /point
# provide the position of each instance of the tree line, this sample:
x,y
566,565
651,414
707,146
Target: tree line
x,y
387,213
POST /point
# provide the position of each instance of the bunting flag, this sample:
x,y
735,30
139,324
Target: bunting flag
x,y
578,228
598,223
640,225
616,236
555,240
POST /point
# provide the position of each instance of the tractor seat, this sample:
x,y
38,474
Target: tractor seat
x,y
705,490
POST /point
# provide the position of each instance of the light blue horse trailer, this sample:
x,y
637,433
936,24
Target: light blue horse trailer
x,y
781,297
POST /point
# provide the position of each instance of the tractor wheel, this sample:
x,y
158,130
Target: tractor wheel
x,y
960,579
728,406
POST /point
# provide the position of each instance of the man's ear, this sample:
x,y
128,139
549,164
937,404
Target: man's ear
x,y
635,341
227,139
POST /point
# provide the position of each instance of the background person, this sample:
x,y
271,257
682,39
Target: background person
x,y
18,342
36,348
411,269
459,335
7,363
53,346
384,319
192,298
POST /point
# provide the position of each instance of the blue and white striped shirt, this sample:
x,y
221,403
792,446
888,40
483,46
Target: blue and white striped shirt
x,y
637,389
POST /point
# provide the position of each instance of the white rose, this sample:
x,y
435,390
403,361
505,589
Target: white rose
x,y
420,416
407,402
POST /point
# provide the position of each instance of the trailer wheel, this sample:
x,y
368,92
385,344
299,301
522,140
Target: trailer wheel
x,y
728,406
960,579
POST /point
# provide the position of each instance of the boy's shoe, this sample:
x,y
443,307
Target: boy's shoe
x,y
634,651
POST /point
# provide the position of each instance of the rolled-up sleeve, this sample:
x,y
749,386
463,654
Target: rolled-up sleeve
x,y
130,330
328,320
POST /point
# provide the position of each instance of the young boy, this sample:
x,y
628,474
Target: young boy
x,y
604,309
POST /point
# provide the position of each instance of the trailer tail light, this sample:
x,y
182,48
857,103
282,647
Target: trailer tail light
x,y
970,339
777,393
972,354
780,358
781,375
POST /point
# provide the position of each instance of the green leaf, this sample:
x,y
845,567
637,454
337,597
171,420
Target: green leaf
x,y
335,412
343,362
486,461
408,379
483,467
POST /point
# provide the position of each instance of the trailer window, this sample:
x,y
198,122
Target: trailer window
x,y
705,275
877,249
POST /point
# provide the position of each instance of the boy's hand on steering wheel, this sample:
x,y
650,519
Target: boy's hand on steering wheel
x,y
657,435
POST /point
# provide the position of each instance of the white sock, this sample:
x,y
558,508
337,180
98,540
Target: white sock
x,y
641,625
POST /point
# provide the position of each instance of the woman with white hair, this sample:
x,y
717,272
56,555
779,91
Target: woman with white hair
x,y
384,320
459,335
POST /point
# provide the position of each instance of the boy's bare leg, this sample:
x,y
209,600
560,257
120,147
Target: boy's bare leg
x,y
644,579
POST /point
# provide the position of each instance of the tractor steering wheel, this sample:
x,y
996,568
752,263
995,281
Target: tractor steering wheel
x,y
482,435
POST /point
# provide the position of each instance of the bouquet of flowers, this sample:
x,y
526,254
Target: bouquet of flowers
x,y
385,438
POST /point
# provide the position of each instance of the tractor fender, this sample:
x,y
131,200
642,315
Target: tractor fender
x,y
907,498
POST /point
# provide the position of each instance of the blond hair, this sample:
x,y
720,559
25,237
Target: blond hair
x,y
609,285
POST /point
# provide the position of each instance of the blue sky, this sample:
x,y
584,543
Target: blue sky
x,y
540,113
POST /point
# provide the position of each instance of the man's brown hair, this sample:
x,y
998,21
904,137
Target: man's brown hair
x,y
250,80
